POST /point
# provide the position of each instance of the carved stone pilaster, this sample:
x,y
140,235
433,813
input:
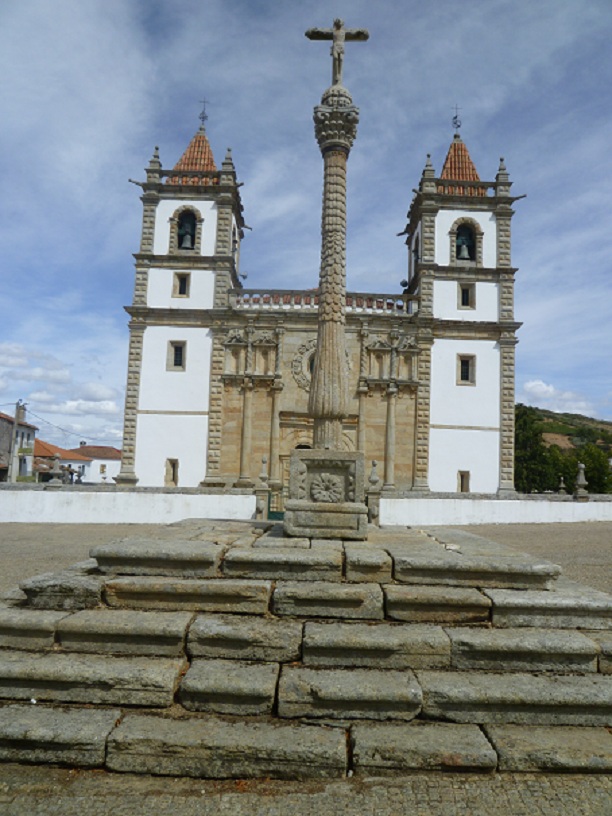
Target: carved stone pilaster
x,y
215,412
507,344
423,396
244,479
127,474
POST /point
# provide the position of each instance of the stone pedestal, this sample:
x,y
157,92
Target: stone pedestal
x,y
327,495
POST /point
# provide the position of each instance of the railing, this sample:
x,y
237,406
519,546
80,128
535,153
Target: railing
x,y
466,188
300,300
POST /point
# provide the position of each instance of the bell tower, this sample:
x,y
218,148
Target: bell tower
x,y
189,254
459,264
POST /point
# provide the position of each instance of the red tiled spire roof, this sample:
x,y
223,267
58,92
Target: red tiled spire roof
x,y
198,158
458,166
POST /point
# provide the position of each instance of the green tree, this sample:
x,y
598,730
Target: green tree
x,y
596,468
532,465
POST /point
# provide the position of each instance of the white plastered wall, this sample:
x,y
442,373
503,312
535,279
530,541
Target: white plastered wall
x,y
161,285
446,301
464,419
171,436
166,209
486,220
173,406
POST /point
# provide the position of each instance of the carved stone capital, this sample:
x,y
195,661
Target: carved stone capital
x,y
336,119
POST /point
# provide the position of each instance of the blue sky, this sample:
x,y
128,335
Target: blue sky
x,y
89,87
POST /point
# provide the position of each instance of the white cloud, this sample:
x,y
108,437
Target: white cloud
x,y
83,407
544,395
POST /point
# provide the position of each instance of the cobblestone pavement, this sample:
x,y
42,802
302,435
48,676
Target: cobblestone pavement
x,y
48,792
584,551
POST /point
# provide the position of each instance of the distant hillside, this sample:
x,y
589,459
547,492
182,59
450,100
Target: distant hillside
x,y
569,431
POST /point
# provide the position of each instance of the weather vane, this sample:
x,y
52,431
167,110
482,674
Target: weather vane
x,y
203,116
456,119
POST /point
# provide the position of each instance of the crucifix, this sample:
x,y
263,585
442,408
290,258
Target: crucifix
x,y
338,34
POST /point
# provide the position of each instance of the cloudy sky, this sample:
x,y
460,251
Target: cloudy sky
x,y
89,87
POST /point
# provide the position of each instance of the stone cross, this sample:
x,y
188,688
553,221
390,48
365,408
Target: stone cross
x,y
338,34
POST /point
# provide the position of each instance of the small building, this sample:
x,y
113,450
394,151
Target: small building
x,y
23,451
104,465
75,466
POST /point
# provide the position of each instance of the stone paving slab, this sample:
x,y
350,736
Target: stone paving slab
x,y
229,687
68,590
435,604
212,595
391,748
364,562
570,606
603,640
522,650
348,693
240,637
28,628
216,749
375,645
143,556
37,734
27,789
320,564
72,678
554,748
124,631
328,600
480,697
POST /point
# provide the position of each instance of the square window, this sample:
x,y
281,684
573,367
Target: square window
x,y
176,356
466,369
181,284
466,296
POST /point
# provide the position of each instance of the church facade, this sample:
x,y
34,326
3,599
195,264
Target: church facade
x,y
219,375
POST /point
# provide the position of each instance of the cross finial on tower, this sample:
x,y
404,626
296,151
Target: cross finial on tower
x,y
203,117
456,119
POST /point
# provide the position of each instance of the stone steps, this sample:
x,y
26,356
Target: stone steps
x,y
228,651
215,748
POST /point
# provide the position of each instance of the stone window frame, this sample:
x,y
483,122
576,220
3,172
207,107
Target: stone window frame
x,y
471,360
176,279
471,289
173,345
463,481
478,238
173,247
171,473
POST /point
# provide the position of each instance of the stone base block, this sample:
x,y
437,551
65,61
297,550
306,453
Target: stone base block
x,y
34,734
375,645
235,637
136,556
124,631
557,748
65,678
391,748
229,687
326,600
63,590
568,607
319,564
434,604
28,628
345,694
215,749
522,650
214,595
478,697
319,520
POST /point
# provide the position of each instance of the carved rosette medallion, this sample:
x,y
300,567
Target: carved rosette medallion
x,y
325,487
301,365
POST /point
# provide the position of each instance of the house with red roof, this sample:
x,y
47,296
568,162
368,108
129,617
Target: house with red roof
x,y
23,448
104,462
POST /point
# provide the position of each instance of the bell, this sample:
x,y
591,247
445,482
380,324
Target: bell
x,y
464,254
187,243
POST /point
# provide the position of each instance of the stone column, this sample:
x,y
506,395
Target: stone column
x,y
275,481
335,129
389,480
244,479
507,344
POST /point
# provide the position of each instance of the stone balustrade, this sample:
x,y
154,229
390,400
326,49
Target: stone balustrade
x,y
300,300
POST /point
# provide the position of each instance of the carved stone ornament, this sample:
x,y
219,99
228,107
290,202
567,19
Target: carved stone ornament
x,y
302,361
265,338
326,487
234,337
